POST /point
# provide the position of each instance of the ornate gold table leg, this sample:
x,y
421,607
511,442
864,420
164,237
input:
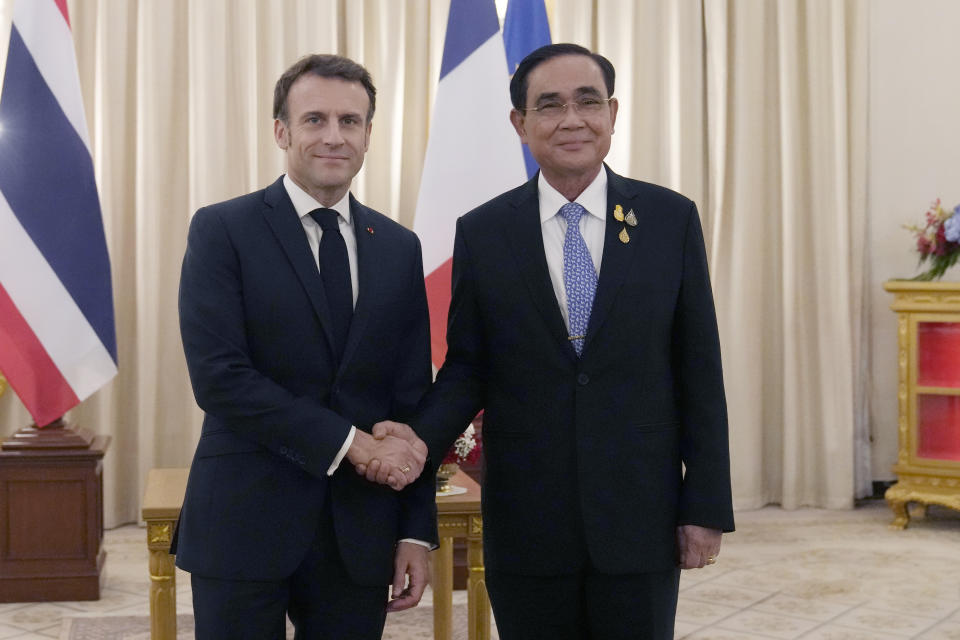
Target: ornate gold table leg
x,y
478,603
897,501
917,511
442,580
163,586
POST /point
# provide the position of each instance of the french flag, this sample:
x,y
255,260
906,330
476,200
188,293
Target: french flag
x,y
57,339
473,153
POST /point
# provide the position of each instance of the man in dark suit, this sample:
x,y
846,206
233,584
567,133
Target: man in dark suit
x,y
304,321
582,322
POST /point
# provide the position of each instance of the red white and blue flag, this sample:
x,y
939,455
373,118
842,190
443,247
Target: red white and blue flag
x,y
57,339
473,153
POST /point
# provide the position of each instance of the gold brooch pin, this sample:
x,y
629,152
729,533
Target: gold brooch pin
x,y
631,218
624,236
618,213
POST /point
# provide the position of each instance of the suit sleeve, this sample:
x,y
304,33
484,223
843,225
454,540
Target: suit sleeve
x,y
418,515
225,381
706,497
458,392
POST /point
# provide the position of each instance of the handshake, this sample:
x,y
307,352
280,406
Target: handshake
x,y
393,455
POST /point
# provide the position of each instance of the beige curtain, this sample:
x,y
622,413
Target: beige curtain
x,y
787,154
755,109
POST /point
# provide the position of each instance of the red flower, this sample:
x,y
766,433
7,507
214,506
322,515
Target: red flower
x,y
941,241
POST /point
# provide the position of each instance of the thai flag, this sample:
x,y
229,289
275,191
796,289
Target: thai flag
x,y
473,153
57,340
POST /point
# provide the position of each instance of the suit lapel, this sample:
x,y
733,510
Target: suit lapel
x,y
286,226
617,255
525,237
366,274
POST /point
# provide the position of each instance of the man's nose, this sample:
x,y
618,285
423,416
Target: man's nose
x,y
571,118
332,135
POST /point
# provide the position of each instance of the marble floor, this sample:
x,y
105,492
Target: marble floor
x,y
811,574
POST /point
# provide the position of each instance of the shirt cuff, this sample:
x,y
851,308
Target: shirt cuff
x,y
343,451
415,541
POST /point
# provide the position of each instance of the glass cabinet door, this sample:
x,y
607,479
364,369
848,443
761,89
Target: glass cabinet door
x,y
938,391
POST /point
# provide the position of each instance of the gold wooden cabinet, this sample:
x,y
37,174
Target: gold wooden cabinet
x,y
928,363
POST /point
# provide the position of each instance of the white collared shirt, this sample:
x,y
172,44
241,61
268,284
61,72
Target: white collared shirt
x,y
554,228
304,203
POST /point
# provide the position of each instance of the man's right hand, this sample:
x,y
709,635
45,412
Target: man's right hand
x,y
377,470
388,459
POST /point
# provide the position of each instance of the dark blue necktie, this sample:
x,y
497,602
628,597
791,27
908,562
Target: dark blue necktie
x,y
335,272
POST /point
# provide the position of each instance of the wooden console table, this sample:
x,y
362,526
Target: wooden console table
x,y
459,516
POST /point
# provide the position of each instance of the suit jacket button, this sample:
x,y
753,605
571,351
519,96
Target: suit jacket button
x,y
583,379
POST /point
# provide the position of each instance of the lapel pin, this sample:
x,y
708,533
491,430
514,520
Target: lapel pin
x,y
370,230
618,213
631,218
624,236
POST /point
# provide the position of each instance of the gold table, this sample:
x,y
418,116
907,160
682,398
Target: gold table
x,y
161,508
459,516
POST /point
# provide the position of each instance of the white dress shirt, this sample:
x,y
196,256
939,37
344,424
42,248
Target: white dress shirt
x,y
554,228
303,204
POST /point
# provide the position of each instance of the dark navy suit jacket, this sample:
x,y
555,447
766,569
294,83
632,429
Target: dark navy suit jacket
x,y
278,407
584,457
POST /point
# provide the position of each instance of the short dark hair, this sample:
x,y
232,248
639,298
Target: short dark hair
x,y
326,66
518,84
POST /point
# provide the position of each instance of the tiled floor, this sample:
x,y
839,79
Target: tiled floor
x,y
124,593
810,574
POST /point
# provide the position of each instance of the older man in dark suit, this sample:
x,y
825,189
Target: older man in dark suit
x,y
304,322
582,322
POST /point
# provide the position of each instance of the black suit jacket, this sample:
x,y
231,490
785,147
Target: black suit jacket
x,y
587,452
278,407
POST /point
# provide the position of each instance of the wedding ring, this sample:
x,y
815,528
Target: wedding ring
x,y
711,559
405,468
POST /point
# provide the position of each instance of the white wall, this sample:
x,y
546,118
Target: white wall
x,y
914,149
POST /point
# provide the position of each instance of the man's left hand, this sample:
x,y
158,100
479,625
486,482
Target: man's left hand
x,y
698,546
410,561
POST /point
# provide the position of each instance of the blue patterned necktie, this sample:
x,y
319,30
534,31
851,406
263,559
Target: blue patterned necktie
x,y
579,275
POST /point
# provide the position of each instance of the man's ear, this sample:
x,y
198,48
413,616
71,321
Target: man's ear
x,y
614,107
519,123
366,142
280,134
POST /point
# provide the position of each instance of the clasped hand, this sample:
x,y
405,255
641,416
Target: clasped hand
x,y
393,455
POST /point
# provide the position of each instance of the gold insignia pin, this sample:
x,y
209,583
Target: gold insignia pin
x,y
618,213
624,236
631,218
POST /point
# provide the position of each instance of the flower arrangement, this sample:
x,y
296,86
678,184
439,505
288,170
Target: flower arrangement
x,y
938,241
465,449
